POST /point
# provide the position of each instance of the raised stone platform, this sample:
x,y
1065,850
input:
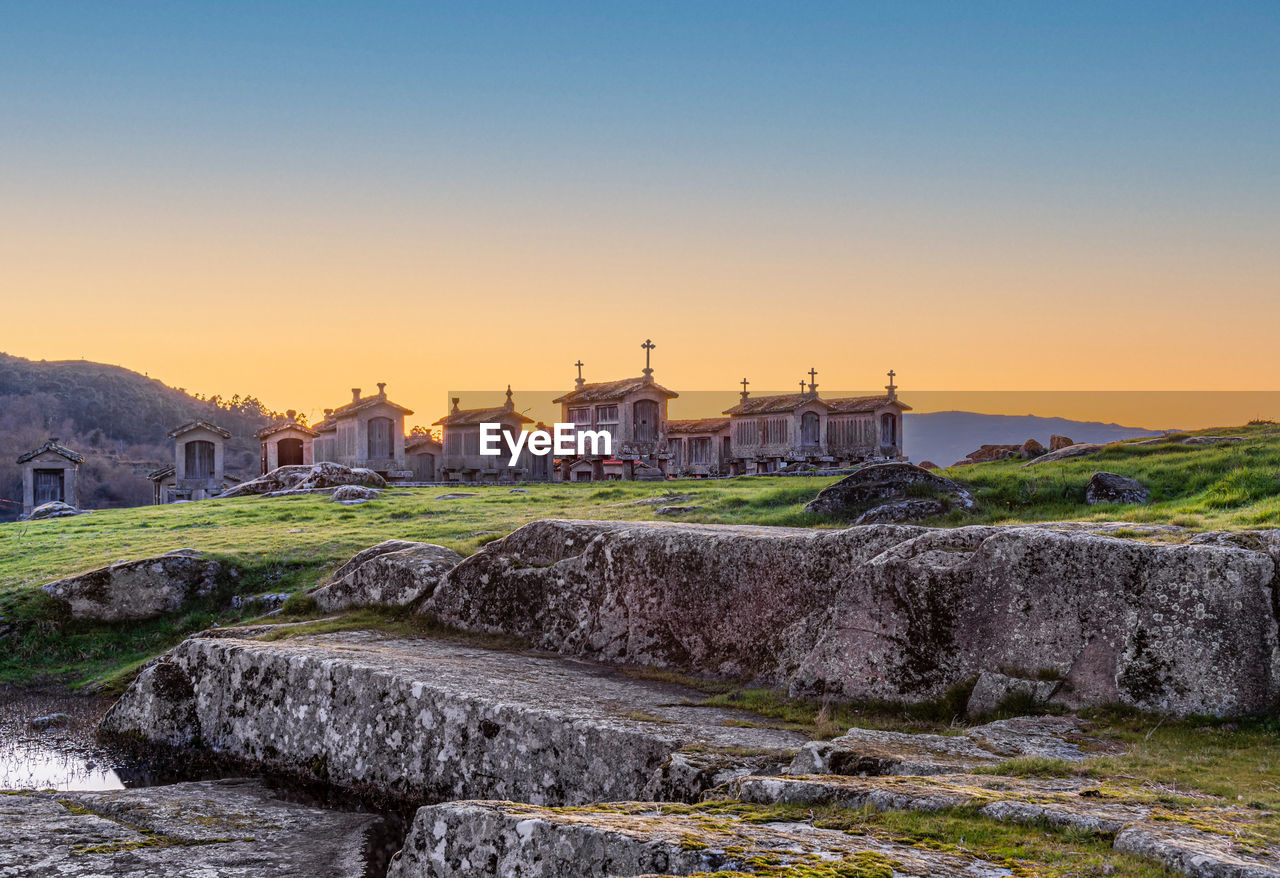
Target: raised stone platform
x,y
429,720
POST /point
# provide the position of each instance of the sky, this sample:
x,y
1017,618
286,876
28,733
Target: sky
x,y
293,199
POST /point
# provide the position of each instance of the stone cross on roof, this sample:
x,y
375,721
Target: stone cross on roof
x,y
745,382
891,387
813,374
648,346
579,382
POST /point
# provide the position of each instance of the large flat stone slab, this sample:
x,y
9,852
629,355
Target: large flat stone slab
x,y
429,720
227,829
490,839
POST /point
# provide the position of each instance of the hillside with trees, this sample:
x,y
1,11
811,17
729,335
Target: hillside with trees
x,y
115,417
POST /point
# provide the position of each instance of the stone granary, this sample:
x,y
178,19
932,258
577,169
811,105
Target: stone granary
x,y
423,455
366,432
286,443
772,433
49,475
632,410
699,447
198,470
462,460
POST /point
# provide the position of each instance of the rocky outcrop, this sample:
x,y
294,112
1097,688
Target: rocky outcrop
x,y
55,509
903,511
1057,443
1080,449
1114,488
887,611
227,828
305,479
394,573
875,484
468,839
1031,449
133,590
993,690
866,752
1211,842
429,720
986,453
351,495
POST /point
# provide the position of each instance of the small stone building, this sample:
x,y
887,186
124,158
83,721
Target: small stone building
x,y
462,460
366,432
423,455
49,476
198,471
632,410
699,447
286,443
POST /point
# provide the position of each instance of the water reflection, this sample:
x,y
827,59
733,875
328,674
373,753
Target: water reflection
x,y
46,742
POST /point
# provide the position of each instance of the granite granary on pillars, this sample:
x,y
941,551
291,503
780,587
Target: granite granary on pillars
x,y
49,475
366,432
699,447
286,443
198,470
779,432
462,460
633,411
423,454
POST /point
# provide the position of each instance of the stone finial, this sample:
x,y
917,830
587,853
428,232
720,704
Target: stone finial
x,y
292,414
382,388
891,387
813,378
580,380
355,394
328,412
745,394
510,404
648,348
456,400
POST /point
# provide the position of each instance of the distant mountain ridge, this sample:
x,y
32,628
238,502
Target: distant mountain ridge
x,y
946,437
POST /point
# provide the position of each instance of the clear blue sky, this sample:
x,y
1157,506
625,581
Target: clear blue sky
x,y
718,157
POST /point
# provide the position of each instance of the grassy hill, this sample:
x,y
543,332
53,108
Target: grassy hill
x,y
288,544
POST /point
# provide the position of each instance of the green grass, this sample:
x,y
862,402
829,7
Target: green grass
x,y
1222,487
290,544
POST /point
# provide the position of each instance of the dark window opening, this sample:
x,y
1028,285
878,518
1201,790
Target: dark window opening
x,y
379,438
289,452
199,459
49,486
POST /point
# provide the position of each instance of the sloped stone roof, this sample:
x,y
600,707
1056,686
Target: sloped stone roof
x,y
698,425
607,391
762,405
198,425
468,417
853,404
279,426
366,402
62,450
